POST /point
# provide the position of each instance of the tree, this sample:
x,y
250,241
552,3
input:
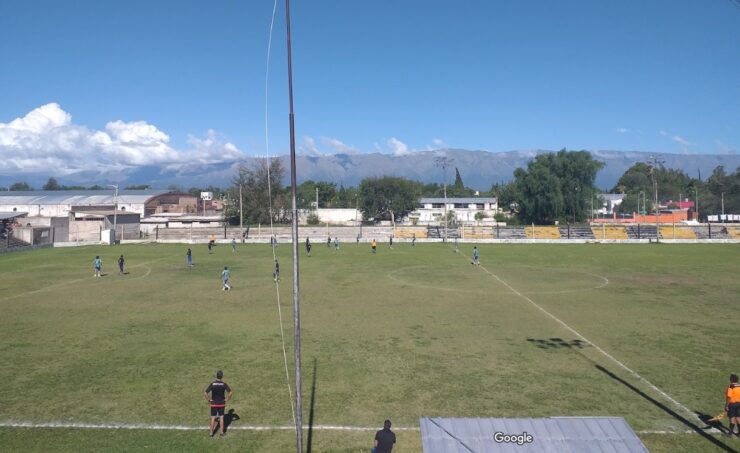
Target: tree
x,y
52,184
306,194
257,195
388,197
556,186
18,186
138,187
458,188
96,187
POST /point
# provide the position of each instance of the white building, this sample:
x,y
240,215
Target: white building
x,y
432,210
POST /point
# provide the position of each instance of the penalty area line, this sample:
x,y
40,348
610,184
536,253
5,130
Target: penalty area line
x,y
594,345
160,427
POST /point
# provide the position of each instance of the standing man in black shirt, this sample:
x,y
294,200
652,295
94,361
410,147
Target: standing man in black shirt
x,y
217,400
385,439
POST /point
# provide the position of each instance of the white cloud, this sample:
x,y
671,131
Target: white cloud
x,y
678,139
622,130
46,139
724,148
308,147
339,146
398,148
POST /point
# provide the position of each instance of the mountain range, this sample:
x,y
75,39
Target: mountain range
x,y
479,169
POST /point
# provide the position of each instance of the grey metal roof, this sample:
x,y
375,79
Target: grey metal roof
x,y
556,435
460,200
11,215
76,197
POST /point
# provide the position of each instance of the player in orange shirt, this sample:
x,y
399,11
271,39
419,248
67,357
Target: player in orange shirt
x,y
733,403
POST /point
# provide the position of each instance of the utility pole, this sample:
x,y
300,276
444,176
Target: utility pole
x,y
723,207
294,228
241,210
444,162
317,200
115,212
653,170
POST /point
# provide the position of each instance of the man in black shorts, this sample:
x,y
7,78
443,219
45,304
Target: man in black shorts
x,y
217,400
385,439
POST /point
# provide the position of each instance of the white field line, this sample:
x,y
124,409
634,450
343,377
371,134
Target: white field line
x,y
69,282
594,345
160,427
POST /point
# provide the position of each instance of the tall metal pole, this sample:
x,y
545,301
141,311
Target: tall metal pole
x,y
115,212
241,209
296,286
444,162
723,207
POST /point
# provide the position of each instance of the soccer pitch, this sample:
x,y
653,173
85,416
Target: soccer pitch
x,y
646,332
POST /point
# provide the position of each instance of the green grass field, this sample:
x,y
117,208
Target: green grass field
x,y
409,332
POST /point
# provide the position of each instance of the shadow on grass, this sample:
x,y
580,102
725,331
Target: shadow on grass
x,y
712,422
309,442
668,411
557,343
230,417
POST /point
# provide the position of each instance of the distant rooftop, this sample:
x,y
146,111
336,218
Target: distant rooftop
x,y
76,197
468,200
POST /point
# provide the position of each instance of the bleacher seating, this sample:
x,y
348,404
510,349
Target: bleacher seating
x,y
609,232
577,232
511,232
641,231
479,232
717,232
676,232
542,232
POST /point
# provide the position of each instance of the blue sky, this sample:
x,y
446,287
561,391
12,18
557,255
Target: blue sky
x,y
156,81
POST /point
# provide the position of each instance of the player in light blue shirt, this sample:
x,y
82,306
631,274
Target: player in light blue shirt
x,y
475,261
98,266
225,277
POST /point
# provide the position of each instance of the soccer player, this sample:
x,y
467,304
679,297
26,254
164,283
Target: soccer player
x,y
385,439
189,255
218,398
413,240
328,241
476,260
358,238
308,247
733,403
336,243
98,266
121,263
374,246
233,245
225,277
210,246
390,241
276,272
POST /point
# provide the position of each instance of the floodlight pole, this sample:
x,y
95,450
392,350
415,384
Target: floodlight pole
x,y
444,162
723,207
115,211
241,210
294,222
655,163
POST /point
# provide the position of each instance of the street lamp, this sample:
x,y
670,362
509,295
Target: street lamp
x,y
644,202
444,162
723,207
115,211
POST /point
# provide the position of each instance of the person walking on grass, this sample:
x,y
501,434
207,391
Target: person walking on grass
x,y
390,241
189,255
225,278
308,247
328,241
220,394
121,263
336,244
276,272
385,439
476,258
374,246
233,245
98,266
733,404
210,246
413,240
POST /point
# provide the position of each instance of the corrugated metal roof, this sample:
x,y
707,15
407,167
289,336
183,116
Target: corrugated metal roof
x,y
555,435
11,215
76,197
459,200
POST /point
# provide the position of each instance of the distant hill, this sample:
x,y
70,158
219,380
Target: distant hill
x,y
479,169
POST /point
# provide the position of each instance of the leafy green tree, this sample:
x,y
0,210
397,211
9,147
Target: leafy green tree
x,y
139,187
258,195
556,186
388,197
96,187
346,197
52,184
18,186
